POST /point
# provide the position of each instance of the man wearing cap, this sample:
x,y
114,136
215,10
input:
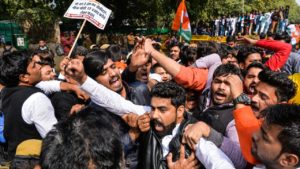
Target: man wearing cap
x,y
27,154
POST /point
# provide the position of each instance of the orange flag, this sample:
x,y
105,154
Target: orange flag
x,y
181,22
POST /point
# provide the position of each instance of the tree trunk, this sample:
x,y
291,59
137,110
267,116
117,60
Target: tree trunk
x,y
56,37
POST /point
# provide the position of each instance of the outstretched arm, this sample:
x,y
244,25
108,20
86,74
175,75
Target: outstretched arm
x,y
210,62
170,65
282,51
100,95
188,77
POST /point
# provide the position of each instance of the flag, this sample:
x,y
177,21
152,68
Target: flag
x,y
181,22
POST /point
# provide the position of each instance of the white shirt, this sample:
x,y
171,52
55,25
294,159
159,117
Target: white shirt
x,y
217,21
38,110
211,156
49,87
167,139
268,17
233,21
111,100
61,76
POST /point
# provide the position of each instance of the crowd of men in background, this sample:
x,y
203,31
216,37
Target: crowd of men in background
x,y
200,105
254,22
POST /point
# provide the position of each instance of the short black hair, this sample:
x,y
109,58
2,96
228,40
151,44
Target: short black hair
x,y
80,51
156,65
169,90
227,69
24,162
230,39
262,36
115,52
188,54
12,66
245,51
85,139
225,50
285,87
205,48
255,65
47,56
270,34
94,61
286,116
179,45
283,36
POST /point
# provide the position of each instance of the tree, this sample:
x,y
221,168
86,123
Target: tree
x,y
38,18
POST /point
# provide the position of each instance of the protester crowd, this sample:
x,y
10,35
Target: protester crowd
x,y
254,22
200,105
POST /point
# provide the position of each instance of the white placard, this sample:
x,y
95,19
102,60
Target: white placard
x,y
20,41
91,10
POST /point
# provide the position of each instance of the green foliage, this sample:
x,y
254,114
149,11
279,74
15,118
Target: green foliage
x,y
38,18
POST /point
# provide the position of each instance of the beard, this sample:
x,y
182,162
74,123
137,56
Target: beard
x,y
119,90
167,129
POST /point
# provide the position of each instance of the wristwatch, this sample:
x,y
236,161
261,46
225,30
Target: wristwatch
x,y
243,99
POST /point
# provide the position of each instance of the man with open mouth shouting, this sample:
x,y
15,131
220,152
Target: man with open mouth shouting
x,y
251,78
162,129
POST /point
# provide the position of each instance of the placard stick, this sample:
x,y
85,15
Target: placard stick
x,y
75,41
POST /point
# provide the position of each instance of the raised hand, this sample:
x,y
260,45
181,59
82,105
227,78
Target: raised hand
x,y
139,56
63,63
247,40
76,108
193,133
236,85
81,94
75,69
148,46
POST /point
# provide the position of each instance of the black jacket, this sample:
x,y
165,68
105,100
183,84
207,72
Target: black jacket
x,y
150,152
217,116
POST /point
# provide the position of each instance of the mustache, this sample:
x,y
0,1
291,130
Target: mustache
x,y
254,105
253,84
219,92
113,79
156,122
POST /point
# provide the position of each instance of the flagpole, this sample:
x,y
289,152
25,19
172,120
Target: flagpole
x,y
75,41
180,37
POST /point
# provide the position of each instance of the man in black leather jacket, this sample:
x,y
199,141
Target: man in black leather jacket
x,y
162,132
